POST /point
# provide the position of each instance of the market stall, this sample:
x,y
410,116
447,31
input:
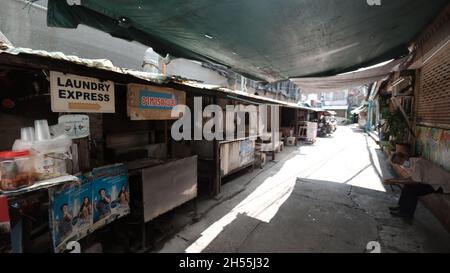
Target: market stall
x,y
307,131
218,159
85,144
297,124
88,145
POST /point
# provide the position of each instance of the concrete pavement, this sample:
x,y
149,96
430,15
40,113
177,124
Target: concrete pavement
x,y
326,197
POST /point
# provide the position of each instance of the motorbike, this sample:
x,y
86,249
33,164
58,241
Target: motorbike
x,y
333,124
326,127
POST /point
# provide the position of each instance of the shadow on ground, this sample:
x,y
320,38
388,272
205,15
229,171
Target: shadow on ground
x,y
322,216
273,210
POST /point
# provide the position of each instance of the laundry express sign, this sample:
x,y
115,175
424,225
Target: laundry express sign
x,y
73,93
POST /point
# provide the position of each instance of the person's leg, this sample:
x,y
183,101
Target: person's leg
x,y
409,197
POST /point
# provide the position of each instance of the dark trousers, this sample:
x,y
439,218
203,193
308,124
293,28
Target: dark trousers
x,y
410,195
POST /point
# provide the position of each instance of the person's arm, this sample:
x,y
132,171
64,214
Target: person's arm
x,y
399,181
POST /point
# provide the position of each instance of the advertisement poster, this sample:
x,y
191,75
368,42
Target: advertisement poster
x,y
111,193
5,228
65,208
246,151
79,208
83,205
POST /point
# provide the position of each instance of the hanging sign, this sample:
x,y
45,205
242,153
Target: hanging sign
x,y
147,102
73,93
75,126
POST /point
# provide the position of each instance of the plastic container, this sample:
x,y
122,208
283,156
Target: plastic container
x,y
42,131
27,134
16,170
49,157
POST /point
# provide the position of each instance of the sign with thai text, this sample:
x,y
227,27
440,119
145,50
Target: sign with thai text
x,y
147,102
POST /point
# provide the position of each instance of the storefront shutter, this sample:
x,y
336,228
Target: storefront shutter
x,y
433,108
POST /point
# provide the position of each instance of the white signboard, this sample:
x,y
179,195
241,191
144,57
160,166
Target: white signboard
x,y
75,126
72,93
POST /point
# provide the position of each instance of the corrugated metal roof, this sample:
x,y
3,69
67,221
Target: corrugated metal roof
x,y
105,64
94,63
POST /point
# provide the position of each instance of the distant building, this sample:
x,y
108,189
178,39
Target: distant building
x,y
336,101
214,74
356,96
339,101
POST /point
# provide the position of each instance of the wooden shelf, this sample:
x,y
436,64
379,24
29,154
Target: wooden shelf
x,y
44,184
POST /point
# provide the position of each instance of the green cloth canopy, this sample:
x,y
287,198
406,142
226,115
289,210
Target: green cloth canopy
x,y
269,40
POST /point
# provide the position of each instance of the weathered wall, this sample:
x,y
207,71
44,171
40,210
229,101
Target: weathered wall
x,y
434,145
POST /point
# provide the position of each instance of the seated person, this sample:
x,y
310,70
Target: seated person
x,y
425,178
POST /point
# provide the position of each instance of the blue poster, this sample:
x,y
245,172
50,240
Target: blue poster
x,y
83,204
64,213
111,192
80,207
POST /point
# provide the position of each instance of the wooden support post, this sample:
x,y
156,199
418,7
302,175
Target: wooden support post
x,y
217,179
405,116
166,133
217,183
83,150
415,107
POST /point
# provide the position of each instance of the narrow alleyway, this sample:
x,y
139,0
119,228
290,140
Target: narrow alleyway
x,y
326,197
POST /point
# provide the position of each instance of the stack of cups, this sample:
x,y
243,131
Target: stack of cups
x,y
42,131
27,134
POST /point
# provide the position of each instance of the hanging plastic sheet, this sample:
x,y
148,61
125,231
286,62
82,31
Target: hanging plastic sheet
x,y
263,39
348,80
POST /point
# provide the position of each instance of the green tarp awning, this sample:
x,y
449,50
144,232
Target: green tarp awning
x,y
264,39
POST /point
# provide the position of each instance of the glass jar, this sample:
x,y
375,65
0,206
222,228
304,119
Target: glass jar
x,y
16,169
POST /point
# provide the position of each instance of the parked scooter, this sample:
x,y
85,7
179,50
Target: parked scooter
x,y
326,127
333,123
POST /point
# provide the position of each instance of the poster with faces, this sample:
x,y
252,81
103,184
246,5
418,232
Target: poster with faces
x,y
96,199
